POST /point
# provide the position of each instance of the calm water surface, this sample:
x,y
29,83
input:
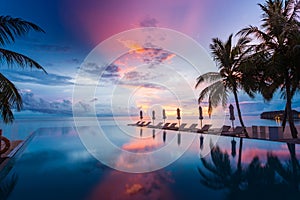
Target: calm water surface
x,y
54,164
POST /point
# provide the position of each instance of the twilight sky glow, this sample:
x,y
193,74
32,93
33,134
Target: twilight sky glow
x,y
75,27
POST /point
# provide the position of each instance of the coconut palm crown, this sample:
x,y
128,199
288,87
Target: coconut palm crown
x,y
229,79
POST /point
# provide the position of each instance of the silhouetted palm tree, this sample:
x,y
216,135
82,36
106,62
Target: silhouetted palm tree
x,y
10,29
229,78
278,52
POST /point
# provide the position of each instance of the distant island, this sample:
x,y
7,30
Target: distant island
x,y
278,115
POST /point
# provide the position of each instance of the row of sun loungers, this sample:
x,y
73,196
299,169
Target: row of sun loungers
x,y
172,126
257,131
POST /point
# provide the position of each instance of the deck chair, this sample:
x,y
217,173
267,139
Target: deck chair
x,y
225,129
236,131
159,125
191,128
171,127
165,125
177,128
142,125
204,128
135,124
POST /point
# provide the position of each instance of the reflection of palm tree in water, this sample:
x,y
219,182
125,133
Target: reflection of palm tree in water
x,y
7,186
164,136
272,180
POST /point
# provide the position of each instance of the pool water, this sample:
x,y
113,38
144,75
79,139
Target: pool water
x,y
55,164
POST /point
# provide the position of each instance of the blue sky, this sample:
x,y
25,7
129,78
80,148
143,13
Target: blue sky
x,y
74,27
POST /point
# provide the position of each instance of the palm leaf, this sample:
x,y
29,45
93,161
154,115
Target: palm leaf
x,y
12,27
208,77
9,97
12,58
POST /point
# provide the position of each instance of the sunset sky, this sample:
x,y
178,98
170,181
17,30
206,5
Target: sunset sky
x,y
75,27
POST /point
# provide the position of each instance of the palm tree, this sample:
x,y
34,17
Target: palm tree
x,y
278,50
10,29
229,58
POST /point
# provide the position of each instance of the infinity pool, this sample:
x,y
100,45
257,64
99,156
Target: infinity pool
x,y
55,164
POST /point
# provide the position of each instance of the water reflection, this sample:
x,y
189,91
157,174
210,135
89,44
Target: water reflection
x,y
164,136
7,186
256,180
178,139
201,141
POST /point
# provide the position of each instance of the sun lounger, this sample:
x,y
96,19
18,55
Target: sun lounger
x,y
159,125
171,127
165,125
143,124
177,128
204,128
236,131
181,127
135,124
225,129
191,128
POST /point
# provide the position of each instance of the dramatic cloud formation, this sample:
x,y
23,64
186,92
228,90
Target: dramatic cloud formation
x,y
30,102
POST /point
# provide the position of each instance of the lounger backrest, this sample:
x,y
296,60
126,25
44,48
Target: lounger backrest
x,y
225,128
206,127
182,126
147,123
166,125
173,125
159,124
238,129
193,126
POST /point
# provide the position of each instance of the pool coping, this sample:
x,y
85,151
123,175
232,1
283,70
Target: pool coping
x,y
7,164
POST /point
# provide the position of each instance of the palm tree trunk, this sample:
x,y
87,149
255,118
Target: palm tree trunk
x,y
289,111
239,111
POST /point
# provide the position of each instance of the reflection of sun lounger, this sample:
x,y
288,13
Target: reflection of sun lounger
x,y
191,128
165,125
204,128
159,125
171,127
143,124
135,124
237,131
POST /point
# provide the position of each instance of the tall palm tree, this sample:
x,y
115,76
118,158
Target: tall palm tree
x,y
10,29
278,49
229,58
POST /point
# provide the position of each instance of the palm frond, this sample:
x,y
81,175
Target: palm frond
x,y
208,90
11,58
208,77
9,97
12,27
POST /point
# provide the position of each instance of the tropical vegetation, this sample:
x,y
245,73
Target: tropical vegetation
x,y
228,57
266,61
10,29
